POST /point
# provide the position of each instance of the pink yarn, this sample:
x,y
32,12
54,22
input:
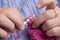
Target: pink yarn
x,y
38,33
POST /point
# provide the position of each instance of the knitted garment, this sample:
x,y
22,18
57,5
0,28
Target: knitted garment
x,y
38,33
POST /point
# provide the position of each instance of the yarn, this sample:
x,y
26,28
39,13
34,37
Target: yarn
x,y
37,33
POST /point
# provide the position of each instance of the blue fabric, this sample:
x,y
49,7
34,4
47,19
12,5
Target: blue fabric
x,y
58,3
26,8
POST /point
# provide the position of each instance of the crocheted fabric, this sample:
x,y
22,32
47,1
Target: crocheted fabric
x,y
38,33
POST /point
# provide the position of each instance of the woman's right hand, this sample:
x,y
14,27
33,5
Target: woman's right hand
x,y
9,17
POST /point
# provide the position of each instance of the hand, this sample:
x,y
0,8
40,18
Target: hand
x,y
50,19
9,17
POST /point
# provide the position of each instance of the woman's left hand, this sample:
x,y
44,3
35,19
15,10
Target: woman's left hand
x,y
50,19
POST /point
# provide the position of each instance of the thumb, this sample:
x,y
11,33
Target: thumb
x,y
49,3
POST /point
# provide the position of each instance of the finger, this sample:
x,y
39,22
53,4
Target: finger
x,y
14,15
3,33
51,23
7,23
54,31
49,3
17,19
43,17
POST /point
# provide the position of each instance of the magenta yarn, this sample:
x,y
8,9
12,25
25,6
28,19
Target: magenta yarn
x,y
38,33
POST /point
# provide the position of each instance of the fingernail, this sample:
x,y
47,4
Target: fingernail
x,y
38,6
14,30
21,28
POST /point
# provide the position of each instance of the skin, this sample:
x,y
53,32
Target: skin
x,y
9,17
50,19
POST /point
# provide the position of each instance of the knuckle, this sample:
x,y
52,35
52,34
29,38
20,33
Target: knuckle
x,y
47,14
12,9
13,26
48,23
1,18
8,9
51,23
53,32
